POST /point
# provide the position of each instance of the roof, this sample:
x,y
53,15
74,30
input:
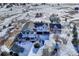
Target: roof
x,y
27,34
41,27
57,25
37,24
17,48
27,47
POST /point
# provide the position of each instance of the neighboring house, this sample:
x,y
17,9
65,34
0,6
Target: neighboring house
x,y
42,31
16,48
56,28
22,48
41,27
27,35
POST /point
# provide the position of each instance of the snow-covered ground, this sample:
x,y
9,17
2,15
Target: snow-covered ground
x,y
16,14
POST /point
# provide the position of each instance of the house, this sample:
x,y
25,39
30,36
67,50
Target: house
x,y
41,27
42,31
37,24
56,28
27,35
22,48
16,48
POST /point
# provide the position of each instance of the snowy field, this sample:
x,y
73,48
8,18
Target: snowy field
x,y
15,17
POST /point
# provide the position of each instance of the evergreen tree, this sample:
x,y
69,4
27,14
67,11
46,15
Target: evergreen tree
x,y
75,40
75,34
37,45
54,18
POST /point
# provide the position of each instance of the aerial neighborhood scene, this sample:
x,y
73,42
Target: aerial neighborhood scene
x,y
39,29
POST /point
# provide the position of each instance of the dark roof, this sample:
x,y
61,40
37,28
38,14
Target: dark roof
x,y
57,25
37,24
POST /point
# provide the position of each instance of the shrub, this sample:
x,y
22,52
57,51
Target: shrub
x,y
75,42
37,45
